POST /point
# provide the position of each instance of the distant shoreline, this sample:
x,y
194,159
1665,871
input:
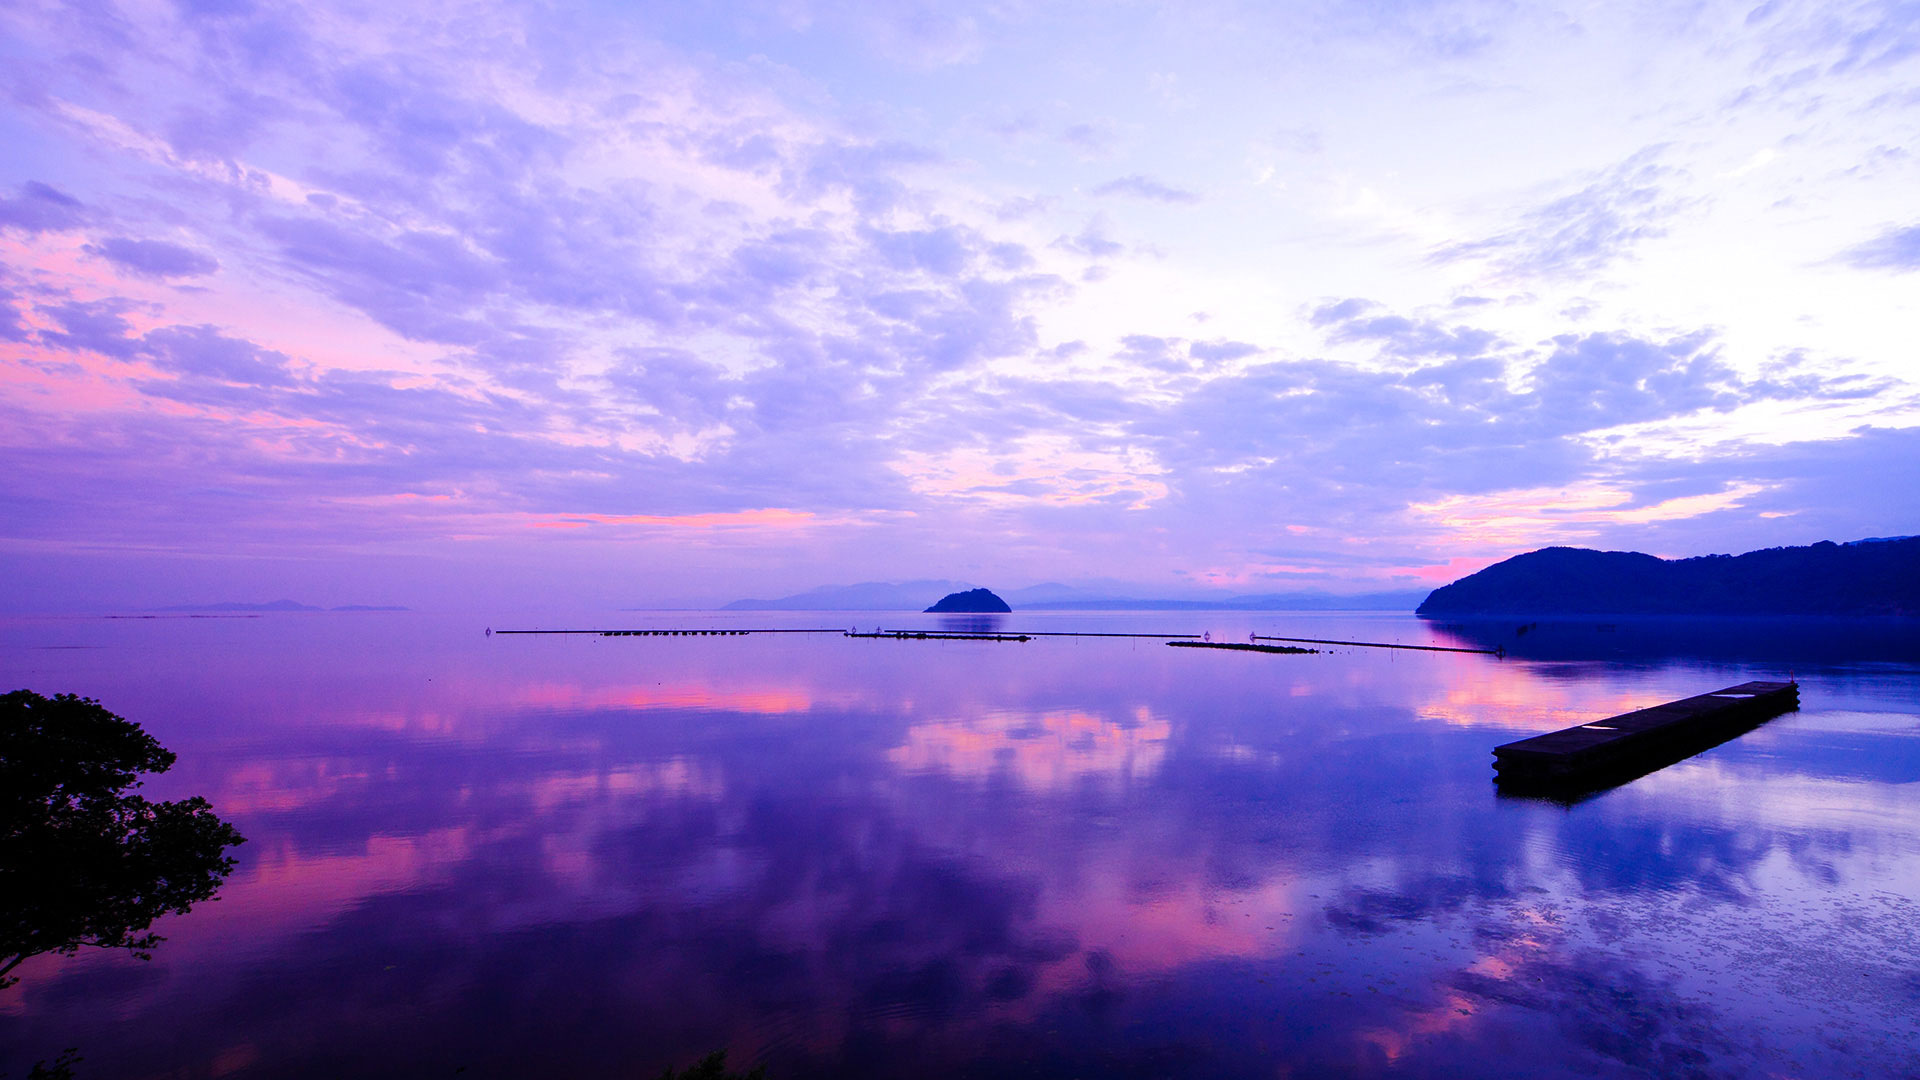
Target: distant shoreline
x,y
271,607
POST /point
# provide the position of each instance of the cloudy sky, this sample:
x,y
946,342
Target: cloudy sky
x,y
435,303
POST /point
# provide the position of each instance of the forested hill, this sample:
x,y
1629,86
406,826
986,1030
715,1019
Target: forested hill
x,y
1866,577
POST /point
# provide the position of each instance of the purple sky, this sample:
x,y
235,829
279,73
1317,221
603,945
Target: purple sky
x,y
493,304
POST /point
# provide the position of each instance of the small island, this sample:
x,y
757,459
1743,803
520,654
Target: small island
x,y
971,602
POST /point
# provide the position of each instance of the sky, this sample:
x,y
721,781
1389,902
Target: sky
x,y
496,304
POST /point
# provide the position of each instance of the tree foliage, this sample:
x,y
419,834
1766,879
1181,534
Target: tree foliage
x,y
84,860
713,1067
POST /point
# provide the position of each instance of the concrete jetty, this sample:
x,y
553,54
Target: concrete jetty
x,y
679,632
1233,646
935,635
1633,744
1381,645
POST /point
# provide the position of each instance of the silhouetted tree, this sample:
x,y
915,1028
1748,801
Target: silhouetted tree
x,y
713,1067
61,1069
83,861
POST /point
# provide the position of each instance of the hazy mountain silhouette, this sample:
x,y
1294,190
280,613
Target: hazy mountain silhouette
x,y
866,596
1053,596
235,605
1865,577
1301,601
278,605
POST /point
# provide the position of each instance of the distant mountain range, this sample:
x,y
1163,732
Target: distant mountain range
x,y
866,596
1052,596
276,605
1877,576
1301,601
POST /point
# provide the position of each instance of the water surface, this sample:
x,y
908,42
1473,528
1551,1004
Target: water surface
x,y
595,857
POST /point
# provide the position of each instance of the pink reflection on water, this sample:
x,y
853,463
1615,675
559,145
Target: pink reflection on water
x,y
760,695
1511,696
842,818
1040,751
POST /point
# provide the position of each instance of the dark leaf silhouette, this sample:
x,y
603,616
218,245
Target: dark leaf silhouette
x,y
83,860
61,1069
713,1067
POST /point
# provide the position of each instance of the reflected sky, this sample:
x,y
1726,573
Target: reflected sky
x,y
597,857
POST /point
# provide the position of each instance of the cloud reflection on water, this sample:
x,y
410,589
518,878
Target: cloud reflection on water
x,y
845,855
1039,751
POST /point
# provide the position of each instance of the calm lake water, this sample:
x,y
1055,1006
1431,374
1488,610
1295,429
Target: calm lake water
x,y
586,857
